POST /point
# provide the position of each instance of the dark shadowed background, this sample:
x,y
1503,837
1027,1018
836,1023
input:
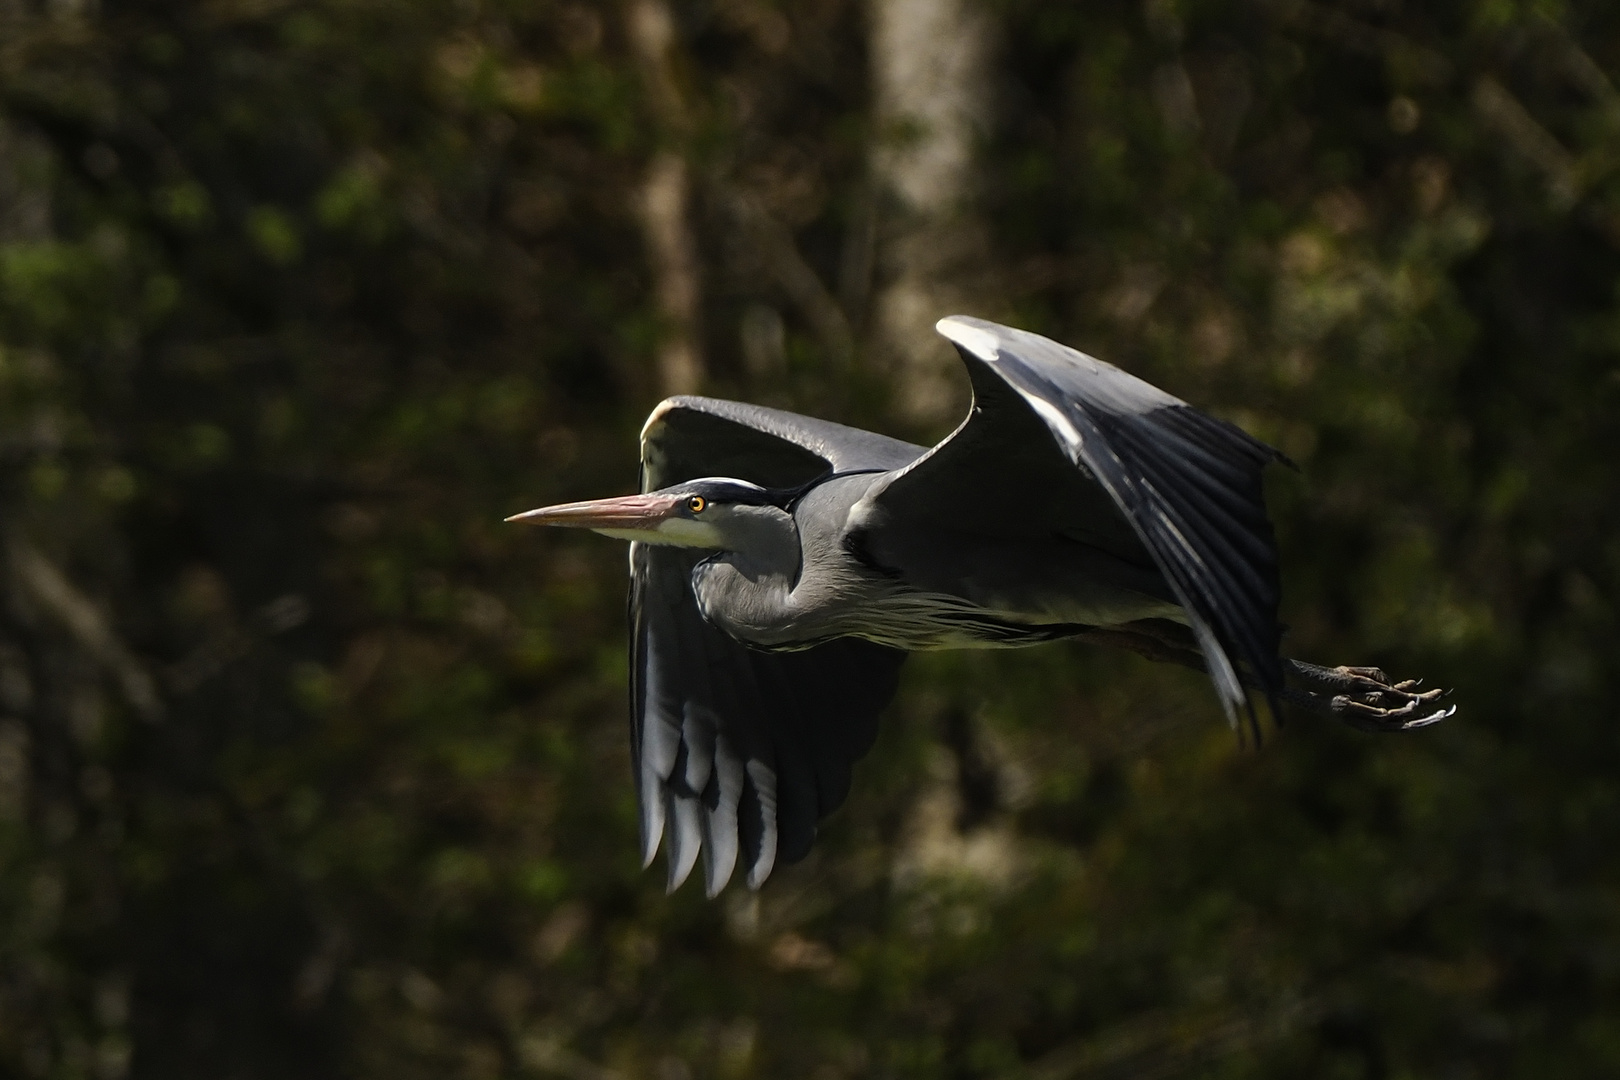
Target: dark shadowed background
x,y
311,767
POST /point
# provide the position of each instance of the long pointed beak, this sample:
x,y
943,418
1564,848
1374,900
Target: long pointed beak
x,y
626,512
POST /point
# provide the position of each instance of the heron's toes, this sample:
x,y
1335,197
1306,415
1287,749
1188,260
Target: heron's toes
x,y
1407,716
1364,698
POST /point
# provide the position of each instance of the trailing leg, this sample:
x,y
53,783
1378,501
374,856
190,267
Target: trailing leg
x,y
1362,697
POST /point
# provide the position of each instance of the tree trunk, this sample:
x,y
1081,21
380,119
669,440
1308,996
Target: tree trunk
x,y
931,78
665,203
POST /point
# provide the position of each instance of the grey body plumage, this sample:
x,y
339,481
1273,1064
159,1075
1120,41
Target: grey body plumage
x,y
783,566
827,584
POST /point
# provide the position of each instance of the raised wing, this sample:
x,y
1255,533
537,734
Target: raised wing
x,y
1096,455
738,753
690,437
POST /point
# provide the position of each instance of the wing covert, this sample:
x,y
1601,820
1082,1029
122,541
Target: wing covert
x,y
690,437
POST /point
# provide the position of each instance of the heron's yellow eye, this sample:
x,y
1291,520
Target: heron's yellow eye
x,y
696,504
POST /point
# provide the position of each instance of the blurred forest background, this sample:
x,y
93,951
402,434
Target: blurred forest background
x,y
311,767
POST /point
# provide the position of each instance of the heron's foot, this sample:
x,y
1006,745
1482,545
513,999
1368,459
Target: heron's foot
x,y
1364,697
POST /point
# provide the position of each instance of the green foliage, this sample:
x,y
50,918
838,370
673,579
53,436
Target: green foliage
x,y
298,300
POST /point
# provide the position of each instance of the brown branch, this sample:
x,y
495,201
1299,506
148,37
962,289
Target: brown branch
x,y
222,649
1169,1044
1508,117
1579,65
547,1054
43,583
1398,51
796,277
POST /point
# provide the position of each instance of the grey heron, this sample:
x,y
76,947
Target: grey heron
x,y
782,567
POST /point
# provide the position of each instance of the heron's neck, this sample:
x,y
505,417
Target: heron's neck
x,y
746,591
764,543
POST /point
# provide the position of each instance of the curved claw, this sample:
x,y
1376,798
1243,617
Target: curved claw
x,y
1365,699
1432,718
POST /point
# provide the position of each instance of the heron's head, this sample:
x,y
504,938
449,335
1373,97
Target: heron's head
x,y
716,513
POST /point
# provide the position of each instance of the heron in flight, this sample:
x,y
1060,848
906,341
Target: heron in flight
x,y
781,568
